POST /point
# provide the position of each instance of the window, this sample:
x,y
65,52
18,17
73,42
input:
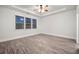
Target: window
x,y
19,22
28,23
25,23
34,24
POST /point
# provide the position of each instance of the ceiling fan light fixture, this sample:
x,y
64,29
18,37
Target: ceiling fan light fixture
x,y
42,8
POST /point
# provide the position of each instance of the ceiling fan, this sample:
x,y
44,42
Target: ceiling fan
x,y
41,8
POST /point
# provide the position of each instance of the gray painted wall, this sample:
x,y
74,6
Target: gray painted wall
x,y
61,24
7,24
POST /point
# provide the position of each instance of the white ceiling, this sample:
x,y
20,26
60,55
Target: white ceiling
x,y
51,9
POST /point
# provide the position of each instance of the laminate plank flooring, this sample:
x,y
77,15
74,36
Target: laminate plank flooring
x,y
39,44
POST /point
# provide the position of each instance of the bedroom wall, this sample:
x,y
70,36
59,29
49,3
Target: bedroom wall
x,y
7,25
61,24
0,25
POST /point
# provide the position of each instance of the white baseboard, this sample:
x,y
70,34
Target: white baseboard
x,y
7,39
60,36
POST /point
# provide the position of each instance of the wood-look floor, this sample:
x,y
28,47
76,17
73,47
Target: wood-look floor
x,y
39,44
